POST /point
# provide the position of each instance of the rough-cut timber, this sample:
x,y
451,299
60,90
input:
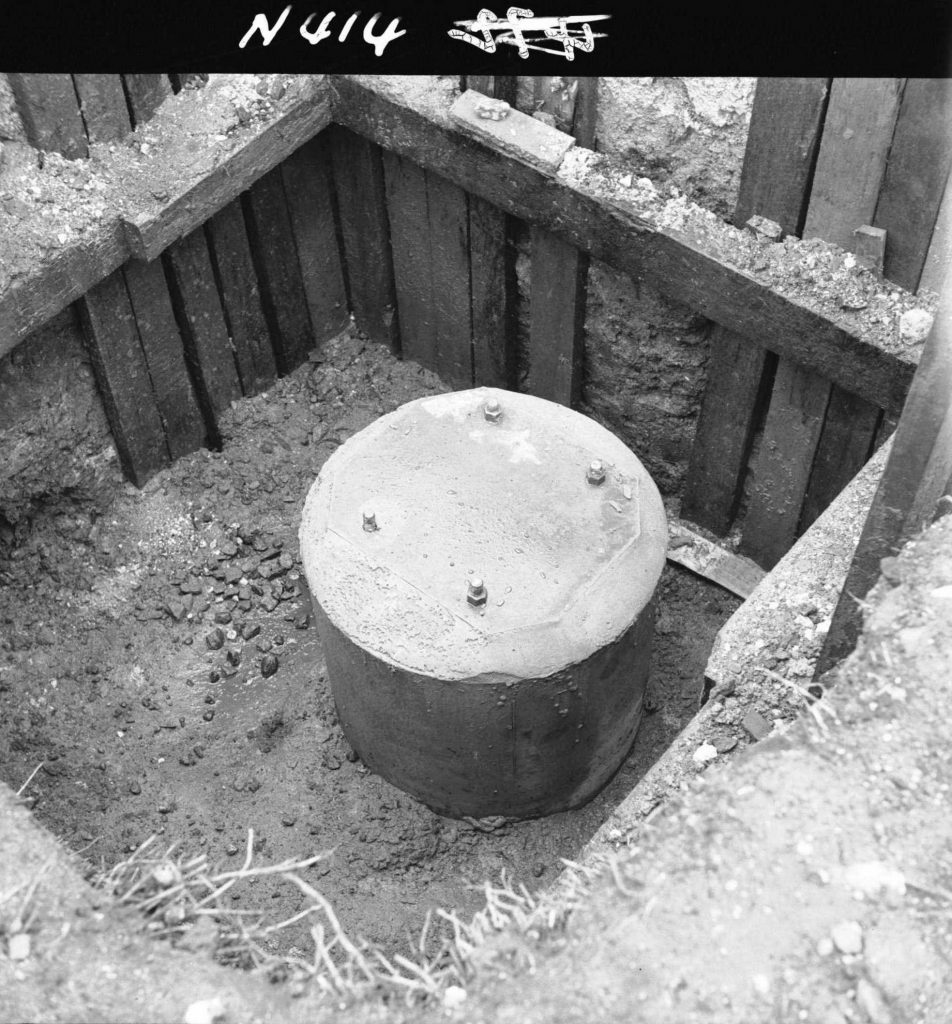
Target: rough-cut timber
x,y
695,262
917,474
199,315
785,125
212,175
163,195
857,133
275,257
916,176
735,573
308,189
365,232
797,407
939,259
241,298
103,107
50,112
410,242
123,378
145,93
845,444
493,289
164,355
448,224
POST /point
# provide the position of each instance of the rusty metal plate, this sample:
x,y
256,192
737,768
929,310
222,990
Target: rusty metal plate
x,y
449,491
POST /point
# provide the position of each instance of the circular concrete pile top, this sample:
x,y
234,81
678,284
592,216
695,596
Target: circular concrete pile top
x,y
567,564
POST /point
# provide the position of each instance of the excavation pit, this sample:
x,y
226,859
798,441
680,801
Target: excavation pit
x,y
487,626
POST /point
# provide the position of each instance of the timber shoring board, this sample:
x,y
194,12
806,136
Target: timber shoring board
x,y
785,126
857,133
559,272
274,252
199,315
195,181
792,430
165,356
493,289
738,374
48,106
365,232
307,187
685,263
241,298
939,258
122,375
448,227
410,243
145,94
916,475
846,442
734,572
916,175
102,104
774,183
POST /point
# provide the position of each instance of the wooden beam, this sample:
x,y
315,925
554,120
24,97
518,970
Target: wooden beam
x,y
857,133
241,298
919,164
164,356
365,232
939,258
122,375
199,315
917,474
686,547
103,107
145,94
786,121
633,234
48,106
307,186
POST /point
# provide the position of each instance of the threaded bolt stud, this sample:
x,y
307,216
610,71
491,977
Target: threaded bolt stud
x,y
370,520
476,593
596,473
491,410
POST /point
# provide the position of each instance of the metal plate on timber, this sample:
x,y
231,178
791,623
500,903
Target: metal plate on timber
x,y
447,494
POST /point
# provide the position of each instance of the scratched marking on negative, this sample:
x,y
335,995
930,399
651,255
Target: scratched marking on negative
x,y
520,23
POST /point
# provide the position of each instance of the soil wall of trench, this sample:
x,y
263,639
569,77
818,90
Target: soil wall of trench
x,y
645,357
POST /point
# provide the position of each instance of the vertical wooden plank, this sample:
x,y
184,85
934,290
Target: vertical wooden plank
x,y
164,355
145,94
939,258
559,273
241,298
103,107
365,232
797,408
846,442
857,133
493,289
199,315
916,475
448,221
123,378
410,242
307,187
557,318
275,257
572,102
916,175
50,112
785,128
785,125
500,87
738,375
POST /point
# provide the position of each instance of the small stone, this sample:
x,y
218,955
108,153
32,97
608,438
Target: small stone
x,y
233,657
18,946
215,640
223,616
205,1011
209,715
176,610
134,788
756,725
704,753
825,946
453,997
288,820
914,325
724,744
538,869
847,936
249,631
269,665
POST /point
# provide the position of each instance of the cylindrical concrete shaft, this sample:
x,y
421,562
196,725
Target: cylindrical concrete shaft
x,y
488,643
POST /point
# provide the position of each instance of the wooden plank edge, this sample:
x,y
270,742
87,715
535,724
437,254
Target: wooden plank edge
x,y
686,547
592,212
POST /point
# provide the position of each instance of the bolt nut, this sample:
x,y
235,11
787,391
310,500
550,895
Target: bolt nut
x,y
596,473
370,520
476,593
492,411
